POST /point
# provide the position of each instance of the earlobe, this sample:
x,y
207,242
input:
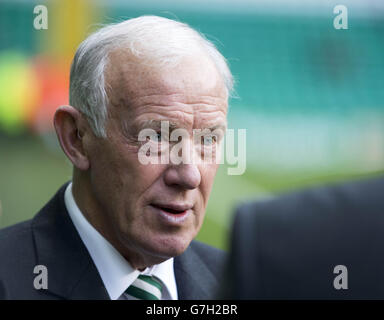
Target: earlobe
x,y
68,125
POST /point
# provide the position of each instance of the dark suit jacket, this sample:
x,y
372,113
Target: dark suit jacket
x,y
287,248
50,239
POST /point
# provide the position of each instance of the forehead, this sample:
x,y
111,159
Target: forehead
x,y
193,89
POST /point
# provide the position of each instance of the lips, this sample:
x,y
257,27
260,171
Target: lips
x,y
172,208
172,213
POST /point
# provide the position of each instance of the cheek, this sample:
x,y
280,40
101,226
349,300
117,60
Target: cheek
x,y
113,174
208,174
146,175
139,184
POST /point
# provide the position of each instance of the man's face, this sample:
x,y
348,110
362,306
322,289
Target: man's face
x,y
154,209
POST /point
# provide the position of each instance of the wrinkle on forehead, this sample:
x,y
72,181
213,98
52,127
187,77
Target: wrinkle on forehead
x,y
189,102
182,116
128,78
186,94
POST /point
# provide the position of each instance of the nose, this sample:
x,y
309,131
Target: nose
x,y
186,176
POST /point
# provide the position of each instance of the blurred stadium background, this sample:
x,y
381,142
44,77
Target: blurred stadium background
x,y
311,97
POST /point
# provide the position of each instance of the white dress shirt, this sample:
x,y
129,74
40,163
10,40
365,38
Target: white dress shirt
x,y
115,271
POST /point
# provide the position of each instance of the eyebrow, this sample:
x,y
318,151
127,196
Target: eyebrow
x,y
221,126
156,125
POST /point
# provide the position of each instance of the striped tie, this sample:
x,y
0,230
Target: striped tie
x,y
145,288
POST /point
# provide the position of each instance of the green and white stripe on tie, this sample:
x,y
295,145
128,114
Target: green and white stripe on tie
x,y
145,288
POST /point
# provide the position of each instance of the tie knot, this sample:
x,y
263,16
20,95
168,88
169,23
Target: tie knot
x,y
145,288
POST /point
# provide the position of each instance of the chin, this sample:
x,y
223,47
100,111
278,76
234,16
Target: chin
x,y
168,246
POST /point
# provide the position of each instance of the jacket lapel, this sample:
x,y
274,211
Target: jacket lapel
x,y
193,278
71,271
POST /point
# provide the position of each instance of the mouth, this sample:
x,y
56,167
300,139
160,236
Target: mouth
x,y
172,213
172,209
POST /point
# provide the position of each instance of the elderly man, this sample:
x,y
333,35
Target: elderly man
x,y
123,229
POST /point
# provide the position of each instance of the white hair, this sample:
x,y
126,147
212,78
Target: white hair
x,y
148,37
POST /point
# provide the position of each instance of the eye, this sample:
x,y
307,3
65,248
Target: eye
x,y
209,140
155,137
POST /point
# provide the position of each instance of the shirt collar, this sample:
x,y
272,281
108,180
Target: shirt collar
x,y
115,271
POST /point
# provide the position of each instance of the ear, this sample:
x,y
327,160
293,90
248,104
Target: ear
x,y
70,127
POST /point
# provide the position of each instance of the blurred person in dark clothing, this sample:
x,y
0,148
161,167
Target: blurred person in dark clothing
x,y
321,243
